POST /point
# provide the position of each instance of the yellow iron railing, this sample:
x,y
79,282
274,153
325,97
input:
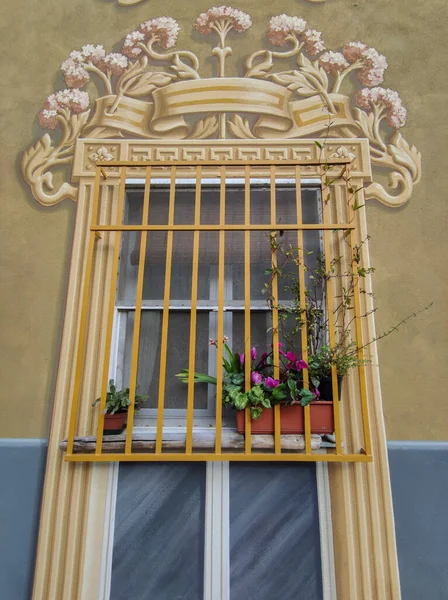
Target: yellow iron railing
x,y
249,450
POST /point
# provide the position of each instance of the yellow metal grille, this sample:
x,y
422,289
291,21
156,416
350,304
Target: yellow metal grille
x,y
106,237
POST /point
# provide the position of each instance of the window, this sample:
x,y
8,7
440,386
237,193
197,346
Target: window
x,y
181,285
198,258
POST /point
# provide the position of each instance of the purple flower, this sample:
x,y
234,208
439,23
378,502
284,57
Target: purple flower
x,y
241,359
291,357
316,393
263,358
301,364
253,353
256,377
271,383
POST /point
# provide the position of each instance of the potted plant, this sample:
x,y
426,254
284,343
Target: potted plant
x,y
265,392
117,404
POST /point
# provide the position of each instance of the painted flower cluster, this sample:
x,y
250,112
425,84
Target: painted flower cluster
x,y
383,97
91,58
224,16
283,26
163,30
59,103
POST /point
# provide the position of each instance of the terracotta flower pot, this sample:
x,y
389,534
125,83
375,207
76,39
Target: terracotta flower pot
x,y
291,419
114,424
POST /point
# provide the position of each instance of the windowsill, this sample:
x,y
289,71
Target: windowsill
x,y
144,438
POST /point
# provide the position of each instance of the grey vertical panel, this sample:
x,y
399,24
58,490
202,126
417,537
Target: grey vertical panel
x,y
419,479
159,532
274,532
22,467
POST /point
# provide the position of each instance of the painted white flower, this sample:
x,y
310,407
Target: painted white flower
x,y
373,64
395,111
74,73
333,62
163,30
281,26
224,17
115,63
93,54
72,100
312,41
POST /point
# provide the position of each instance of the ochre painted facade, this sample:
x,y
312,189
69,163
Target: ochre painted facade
x,y
408,245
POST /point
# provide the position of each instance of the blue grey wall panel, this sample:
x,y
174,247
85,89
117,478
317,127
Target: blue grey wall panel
x,y
22,467
419,479
274,532
159,532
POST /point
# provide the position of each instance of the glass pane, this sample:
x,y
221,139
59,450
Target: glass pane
x,y
177,356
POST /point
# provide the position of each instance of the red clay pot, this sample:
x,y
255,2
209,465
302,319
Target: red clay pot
x,y
291,419
114,424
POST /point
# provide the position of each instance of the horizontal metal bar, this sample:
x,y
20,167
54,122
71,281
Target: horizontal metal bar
x,y
256,181
226,163
186,308
224,456
267,227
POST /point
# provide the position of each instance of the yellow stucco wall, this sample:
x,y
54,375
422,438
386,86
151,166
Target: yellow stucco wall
x,y
409,245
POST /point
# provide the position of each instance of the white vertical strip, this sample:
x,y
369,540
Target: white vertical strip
x,y
326,532
217,532
108,532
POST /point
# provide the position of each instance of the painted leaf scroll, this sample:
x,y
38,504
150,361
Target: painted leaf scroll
x,y
153,90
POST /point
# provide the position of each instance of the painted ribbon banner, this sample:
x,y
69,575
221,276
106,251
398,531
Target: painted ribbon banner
x,y
279,115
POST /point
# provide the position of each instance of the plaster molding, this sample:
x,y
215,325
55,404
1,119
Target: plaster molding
x,y
153,91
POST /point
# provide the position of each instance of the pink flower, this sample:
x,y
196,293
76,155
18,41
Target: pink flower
x,y
282,26
115,63
333,62
395,111
353,51
256,377
71,100
271,383
236,19
241,359
301,364
312,41
163,30
373,63
290,356
253,353
316,393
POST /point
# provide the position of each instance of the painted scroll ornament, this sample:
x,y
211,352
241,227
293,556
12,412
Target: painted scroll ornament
x,y
152,90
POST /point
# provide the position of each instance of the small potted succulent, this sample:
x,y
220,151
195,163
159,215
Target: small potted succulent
x,y
117,404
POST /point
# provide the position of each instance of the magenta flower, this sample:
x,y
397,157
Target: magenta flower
x,y
253,353
301,364
316,393
241,359
256,377
291,357
264,357
271,383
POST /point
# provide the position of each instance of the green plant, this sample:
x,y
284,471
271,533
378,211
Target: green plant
x,y
119,401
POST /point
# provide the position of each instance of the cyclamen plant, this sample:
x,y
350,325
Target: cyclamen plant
x,y
264,391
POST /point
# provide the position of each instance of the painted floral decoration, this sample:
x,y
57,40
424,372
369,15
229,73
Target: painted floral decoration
x,y
149,61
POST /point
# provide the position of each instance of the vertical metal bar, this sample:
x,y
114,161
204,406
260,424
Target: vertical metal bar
x,y
83,316
193,313
166,315
301,267
329,294
358,327
110,315
247,363
138,312
220,326
274,290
